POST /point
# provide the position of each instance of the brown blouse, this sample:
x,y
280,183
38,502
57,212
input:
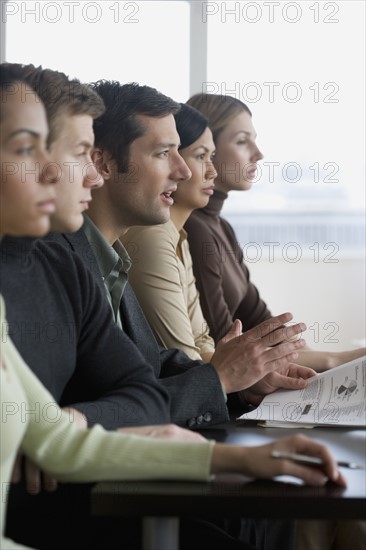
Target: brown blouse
x,y
222,278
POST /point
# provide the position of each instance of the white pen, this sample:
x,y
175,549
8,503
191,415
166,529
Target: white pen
x,y
314,460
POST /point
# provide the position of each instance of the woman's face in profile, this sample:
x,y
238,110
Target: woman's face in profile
x,y
27,192
237,154
195,192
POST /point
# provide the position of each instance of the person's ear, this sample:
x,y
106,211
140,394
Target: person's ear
x,y
102,161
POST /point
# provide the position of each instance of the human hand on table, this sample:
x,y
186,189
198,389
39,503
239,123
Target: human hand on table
x,y
287,377
258,462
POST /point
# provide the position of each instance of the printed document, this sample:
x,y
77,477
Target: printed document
x,y
335,397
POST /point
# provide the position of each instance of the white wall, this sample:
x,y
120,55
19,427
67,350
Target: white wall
x,y
317,293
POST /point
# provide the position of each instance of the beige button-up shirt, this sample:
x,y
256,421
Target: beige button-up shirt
x,y
162,278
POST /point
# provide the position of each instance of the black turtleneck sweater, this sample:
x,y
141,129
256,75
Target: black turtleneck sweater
x,y
223,281
61,323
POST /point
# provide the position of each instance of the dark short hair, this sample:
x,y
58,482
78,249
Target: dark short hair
x,y
190,125
9,75
219,109
59,94
118,127
10,78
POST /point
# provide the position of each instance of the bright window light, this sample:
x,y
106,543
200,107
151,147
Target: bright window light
x,y
300,67
144,42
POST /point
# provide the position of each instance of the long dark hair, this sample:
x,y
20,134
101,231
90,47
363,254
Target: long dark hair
x,y
190,125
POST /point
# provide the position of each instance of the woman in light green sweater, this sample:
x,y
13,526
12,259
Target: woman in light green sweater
x,y
48,437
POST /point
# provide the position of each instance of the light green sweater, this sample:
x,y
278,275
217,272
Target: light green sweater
x,y
31,420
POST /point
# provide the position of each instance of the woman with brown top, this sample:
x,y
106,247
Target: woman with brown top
x,y
222,278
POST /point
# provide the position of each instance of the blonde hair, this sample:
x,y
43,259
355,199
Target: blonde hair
x,y
219,109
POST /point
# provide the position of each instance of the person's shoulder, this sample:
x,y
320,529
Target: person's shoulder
x,y
147,231
60,256
224,222
67,270
197,227
150,238
73,241
196,219
54,251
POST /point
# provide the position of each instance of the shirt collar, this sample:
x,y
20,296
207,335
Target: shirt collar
x,y
107,256
123,255
177,236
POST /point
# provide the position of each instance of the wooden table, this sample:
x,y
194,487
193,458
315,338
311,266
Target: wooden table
x,y
162,503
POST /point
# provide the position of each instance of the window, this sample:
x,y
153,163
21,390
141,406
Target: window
x,y
145,42
300,68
